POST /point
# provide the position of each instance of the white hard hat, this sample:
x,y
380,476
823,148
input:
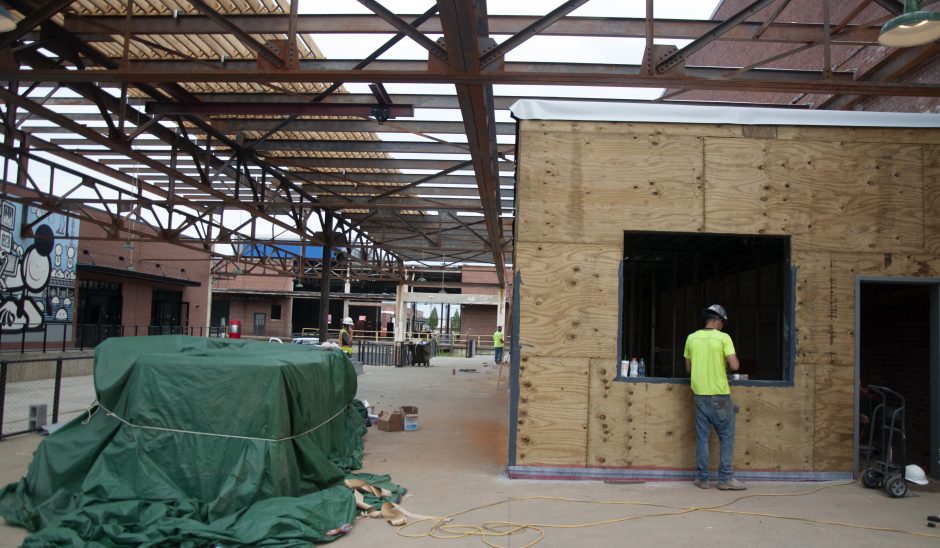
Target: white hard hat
x,y
915,474
716,310
347,321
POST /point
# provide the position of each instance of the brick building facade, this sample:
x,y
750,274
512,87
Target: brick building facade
x,y
135,287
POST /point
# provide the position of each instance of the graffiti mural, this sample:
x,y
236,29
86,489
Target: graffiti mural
x,y
37,275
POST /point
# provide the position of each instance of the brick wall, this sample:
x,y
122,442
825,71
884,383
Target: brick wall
x,y
849,58
270,281
154,258
244,309
480,274
478,320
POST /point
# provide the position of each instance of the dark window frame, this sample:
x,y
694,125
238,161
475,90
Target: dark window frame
x,y
787,334
275,311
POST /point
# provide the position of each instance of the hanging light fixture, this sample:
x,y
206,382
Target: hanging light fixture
x,y
914,27
7,22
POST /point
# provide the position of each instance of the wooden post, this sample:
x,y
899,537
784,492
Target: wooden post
x,y
325,271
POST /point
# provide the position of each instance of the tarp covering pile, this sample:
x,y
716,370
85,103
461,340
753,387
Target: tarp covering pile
x,y
200,442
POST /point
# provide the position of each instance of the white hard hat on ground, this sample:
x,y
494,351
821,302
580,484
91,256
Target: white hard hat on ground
x,y
347,321
915,474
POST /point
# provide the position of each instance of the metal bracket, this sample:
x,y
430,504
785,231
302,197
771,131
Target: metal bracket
x,y
381,113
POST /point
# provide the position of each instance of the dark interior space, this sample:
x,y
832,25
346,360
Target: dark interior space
x,y
668,278
306,314
367,318
894,342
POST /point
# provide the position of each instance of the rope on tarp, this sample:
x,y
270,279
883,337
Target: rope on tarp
x,y
97,404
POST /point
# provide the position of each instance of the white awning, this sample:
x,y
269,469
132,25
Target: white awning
x,y
590,111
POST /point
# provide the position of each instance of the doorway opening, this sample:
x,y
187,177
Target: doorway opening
x,y
897,349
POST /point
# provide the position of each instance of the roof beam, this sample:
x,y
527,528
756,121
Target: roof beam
x,y
755,82
246,108
35,18
368,163
270,53
230,125
536,27
365,179
90,27
465,28
403,27
683,53
413,147
328,66
328,162
894,66
502,102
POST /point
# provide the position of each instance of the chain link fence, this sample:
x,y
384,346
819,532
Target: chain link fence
x,y
41,391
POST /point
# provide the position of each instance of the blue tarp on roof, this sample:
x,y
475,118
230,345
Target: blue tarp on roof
x,y
282,251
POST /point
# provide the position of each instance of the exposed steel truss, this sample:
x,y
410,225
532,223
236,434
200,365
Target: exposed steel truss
x,y
219,127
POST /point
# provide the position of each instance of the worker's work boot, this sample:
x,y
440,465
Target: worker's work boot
x,y
701,483
731,485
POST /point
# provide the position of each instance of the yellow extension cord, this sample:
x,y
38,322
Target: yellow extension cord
x,y
441,528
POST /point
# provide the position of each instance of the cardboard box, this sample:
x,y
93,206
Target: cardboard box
x,y
410,413
391,421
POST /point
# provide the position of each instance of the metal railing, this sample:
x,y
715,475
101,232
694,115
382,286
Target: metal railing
x,y
58,337
64,383
396,354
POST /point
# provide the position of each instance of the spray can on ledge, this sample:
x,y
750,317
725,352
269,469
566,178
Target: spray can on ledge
x,y
641,369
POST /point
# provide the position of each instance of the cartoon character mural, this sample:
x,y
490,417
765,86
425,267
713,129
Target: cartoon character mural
x,y
37,275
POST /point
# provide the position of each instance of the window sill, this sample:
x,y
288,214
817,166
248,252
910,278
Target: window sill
x,y
682,380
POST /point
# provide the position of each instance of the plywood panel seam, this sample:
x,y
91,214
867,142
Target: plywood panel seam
x,y
703,185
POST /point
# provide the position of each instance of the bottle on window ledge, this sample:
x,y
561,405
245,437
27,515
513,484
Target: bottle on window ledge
x,y
634,367
641,369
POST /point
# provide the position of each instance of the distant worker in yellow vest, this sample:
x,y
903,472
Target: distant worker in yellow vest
x,y
707,351
346,336
498,345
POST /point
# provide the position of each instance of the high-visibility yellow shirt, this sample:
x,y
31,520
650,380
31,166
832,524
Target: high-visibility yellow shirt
x,y
498,339
708,349
345,340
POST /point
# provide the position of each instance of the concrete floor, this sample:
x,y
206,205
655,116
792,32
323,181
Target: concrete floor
x,y
455,461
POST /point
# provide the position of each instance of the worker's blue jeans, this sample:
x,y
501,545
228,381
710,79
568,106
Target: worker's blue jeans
x,y
717,412
498,355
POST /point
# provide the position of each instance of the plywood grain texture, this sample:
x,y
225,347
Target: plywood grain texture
x,y
842,308
892,264
638,424
589,188
834,417
932,199
629,128
814,305
775,426
552,420
861,196
855,201
859,134
566,296
649,425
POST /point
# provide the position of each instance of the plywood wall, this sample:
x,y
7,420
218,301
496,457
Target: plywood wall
x,y
856,201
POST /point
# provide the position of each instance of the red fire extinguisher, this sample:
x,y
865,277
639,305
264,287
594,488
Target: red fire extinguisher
x,y
235,329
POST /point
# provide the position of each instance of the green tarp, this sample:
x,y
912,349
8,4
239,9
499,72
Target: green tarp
x,y
197,441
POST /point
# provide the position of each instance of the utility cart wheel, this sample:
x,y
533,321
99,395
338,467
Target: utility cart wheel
x,y
896,487
871,478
